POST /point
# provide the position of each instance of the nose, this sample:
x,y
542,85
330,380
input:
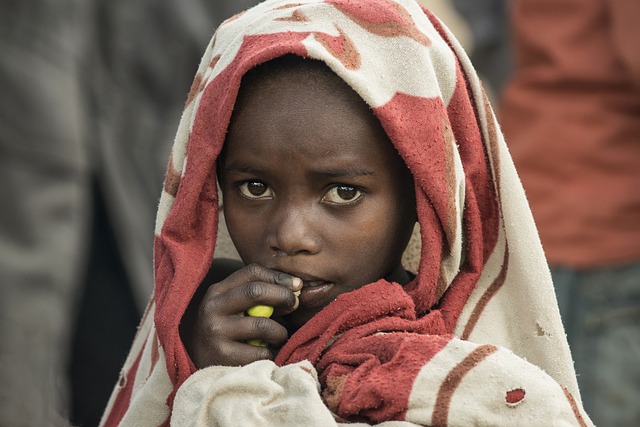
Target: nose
x,y
294,231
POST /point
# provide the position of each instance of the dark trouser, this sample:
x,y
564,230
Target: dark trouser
x,y
600,309
105,325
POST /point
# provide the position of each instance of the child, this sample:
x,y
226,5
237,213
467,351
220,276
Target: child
x,y
332,127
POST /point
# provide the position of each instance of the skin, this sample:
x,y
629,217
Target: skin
x,y
315,198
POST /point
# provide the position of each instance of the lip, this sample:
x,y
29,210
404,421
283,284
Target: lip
x,y
315,293
315,290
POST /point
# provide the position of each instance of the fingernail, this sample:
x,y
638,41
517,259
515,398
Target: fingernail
x,y
296,284
297,303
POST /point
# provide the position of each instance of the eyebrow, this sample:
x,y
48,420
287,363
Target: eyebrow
x,y
242,169
347,172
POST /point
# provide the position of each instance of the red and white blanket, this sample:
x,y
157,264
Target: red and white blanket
x,y
475,339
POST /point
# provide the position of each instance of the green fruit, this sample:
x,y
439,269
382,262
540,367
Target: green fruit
x,y
260,311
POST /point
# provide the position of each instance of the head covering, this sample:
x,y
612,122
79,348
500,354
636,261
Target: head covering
x,y
482,280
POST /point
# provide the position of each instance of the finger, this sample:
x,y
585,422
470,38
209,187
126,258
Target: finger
x,y
283,310
240,299
243,331
232,353
258,273
259,328
213,347
268,275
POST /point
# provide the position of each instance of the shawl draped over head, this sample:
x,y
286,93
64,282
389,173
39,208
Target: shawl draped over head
x,y
476,338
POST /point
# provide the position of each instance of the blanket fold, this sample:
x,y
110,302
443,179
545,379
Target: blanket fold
x,y
367,348
373,358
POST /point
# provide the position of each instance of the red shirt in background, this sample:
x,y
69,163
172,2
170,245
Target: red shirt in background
x,y
571,117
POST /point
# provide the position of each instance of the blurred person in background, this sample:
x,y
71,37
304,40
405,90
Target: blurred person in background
x,y
488,26
571,116
91,95
44,219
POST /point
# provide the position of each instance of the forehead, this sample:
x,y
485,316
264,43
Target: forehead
x,y
304,103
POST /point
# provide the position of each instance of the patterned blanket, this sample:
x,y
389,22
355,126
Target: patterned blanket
x,y
474,339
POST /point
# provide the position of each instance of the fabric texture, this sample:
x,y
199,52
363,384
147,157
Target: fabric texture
x,y
475,338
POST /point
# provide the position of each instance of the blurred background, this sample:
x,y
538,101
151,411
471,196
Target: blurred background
x,y
91,94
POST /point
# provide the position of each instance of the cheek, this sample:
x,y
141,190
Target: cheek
x,y
369,243
389,231
244,232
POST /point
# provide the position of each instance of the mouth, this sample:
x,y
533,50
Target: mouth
x,y
306,284
315,291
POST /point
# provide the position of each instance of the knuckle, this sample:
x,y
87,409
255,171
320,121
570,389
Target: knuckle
x,y
209,307
254,291
280,335
262,325
253,271
212,330
263,353
279,277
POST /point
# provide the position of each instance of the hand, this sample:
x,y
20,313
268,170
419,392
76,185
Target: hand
x,y
221,328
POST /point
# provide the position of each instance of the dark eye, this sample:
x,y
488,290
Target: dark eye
x,y
342,194
255,190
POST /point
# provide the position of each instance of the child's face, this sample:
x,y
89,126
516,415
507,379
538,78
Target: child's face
x,y
313,187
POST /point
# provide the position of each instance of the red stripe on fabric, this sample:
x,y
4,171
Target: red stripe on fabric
x,y
382,18
484,178
214,61
155,353
474,153
486,297
172,178
452,381
288,6
492,142
123,397
195,89
296,16
574,407
450,223
341,47
234,17
481,212
421,143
